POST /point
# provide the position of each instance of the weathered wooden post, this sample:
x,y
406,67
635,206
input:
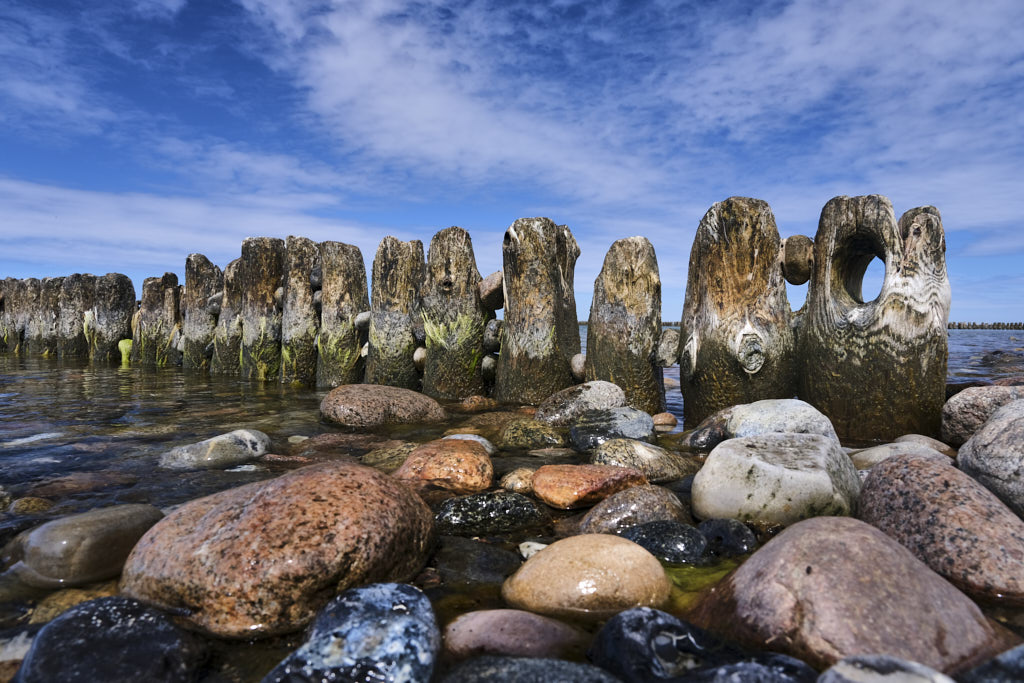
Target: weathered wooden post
x,y
77,295
736,344
877,368
261,274
300,322
625,324
43,331
541,332
110,318
394,308
7,326
227,335
29,318
343,297
453,318
158,323
203,280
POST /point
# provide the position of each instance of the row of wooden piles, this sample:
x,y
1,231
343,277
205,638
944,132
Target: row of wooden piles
x,y
297,311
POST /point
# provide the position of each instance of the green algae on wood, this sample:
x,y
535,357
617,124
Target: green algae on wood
x,y
394,309
261,274
159,323
300,322
877,368
343,297
453,318
625,324
736,343
203,280
227,335
541,333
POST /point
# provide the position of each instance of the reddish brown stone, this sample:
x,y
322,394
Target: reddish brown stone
x,y
80,482
455,465
831,587
373,405
950,522
574,486
475,404
336,445
261,559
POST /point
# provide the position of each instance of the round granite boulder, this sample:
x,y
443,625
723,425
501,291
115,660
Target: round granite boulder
x,y
261,559
995,455
375,405
656,463
563,407
777,415
633,506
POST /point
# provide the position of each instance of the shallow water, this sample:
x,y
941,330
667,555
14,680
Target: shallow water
x,y
85,437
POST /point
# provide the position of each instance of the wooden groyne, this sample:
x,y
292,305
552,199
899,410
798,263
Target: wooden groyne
x,y
297,311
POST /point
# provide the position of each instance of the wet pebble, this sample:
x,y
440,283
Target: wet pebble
x,y
594,427
565,406
488,446
657,464
590,577
526,670
512,632
112,639
488,514
665,421
390,458
454,465
670,541
519,480
375,405
83,548
526,434
380,632
572,486
29,505
879,669
223,450
928,441
728,537
633,506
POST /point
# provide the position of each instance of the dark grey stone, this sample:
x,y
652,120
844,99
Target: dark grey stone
x,y
526,670
594,427
670,541
465,561
728,537
483,514
1006,668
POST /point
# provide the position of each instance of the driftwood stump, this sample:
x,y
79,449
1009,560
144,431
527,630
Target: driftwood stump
x,y
153,344
541,332
877,369
77,295
343,297
300,322
736,344
261,274
453,318
625,324
394,308
110,318
227,335
42,335
202,280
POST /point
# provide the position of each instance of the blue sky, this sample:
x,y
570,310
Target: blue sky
x,y
135,132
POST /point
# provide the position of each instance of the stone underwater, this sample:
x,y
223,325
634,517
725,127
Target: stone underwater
x,y
484,499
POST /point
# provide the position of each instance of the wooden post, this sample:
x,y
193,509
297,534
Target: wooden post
x,y
625,324
394,308
43,332
77,295
227,336
736,344
877,368
453,318
159,323
300,322
343,297
202,281
110,317
261,274
541,333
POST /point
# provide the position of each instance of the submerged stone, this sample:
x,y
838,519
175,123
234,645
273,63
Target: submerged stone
x,y
223,450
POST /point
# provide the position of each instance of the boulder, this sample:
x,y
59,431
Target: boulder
x,y
995,455
786,415
83,548
967,411
373,405
657,464
263,558
950,522
224,450
512,632
776,479
566,406
454,465
866,458
594,427
573,486
588,577
492,295
382,632
112,639
633,506
830,587
1007,667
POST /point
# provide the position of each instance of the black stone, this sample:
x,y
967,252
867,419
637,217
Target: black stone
x,y
594,427
484,514
463,561
526,670
112,639
669,541
382,632
728,537
1005,668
